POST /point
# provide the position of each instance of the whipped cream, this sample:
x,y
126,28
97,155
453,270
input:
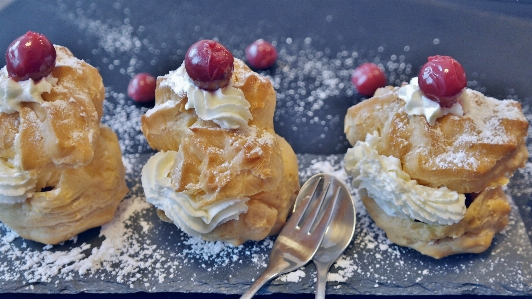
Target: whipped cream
x,y
226,106
13,93
15,184
395,192
418,104
180,207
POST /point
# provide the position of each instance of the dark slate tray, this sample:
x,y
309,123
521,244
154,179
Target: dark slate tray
x,y
139,253
319,44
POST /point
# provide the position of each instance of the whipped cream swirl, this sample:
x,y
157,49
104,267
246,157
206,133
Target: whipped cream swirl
x,y
13,93
15,184
180,207
395,192
418,104
226,106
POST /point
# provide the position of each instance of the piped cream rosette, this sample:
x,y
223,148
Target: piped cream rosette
x,y
181,207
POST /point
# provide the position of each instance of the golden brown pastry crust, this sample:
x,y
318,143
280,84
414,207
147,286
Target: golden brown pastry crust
x,y
165,128
486,216
268,209
248,162
81,198
440,155
63,131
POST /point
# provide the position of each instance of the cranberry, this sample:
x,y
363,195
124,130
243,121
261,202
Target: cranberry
x,y
209,65
442,79
31,55
261,54
142,88
367,78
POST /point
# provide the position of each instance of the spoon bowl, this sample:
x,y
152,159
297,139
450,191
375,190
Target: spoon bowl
x,y
304,231
337,237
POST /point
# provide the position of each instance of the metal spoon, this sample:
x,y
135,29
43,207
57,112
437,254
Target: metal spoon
x,y
305,229
336,239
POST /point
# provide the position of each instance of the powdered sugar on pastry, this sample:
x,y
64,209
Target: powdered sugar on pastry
x,y
487,114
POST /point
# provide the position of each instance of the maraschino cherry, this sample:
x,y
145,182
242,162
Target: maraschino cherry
x,y
261,54
367,78
142,88
442,80
31,55
209,65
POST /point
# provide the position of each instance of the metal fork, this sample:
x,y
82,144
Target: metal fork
x,y
302,234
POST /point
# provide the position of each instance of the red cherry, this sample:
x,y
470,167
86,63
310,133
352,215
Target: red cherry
x,y
142,88
442,79
209,65
31,55
367,78
261,54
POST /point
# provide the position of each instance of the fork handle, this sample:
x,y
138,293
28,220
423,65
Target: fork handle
x,y
270,272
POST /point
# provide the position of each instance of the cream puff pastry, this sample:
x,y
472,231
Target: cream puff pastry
x,y
221,171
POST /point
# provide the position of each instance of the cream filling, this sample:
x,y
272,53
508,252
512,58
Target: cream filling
x,y
15,184
418,104
226,106
13,93
395,192
180,207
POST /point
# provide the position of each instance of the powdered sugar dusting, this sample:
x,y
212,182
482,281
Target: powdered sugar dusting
x,y
346,269
487,114
137,251
124,119
294,276
65,60
456,159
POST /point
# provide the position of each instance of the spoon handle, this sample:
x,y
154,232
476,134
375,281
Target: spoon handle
x,y
322,270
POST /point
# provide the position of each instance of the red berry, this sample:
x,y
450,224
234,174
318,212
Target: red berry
x,y
31,55
142,88
261,54
367,78
442,79
209,65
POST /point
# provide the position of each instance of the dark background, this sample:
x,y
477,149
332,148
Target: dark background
x,y
491,39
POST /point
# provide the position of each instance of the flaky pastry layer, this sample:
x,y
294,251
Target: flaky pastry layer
x,y
79,199
456,152
486,216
